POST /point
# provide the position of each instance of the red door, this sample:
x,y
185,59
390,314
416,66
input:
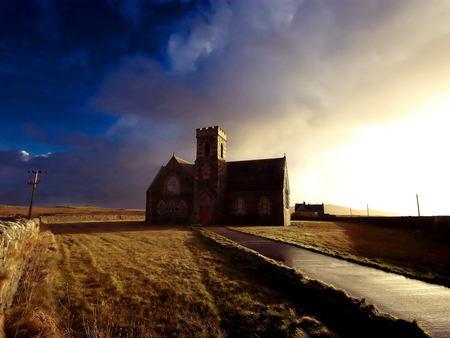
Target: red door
x,y
204,213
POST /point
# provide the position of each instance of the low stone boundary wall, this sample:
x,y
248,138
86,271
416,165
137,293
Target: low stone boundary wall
x,y
15,236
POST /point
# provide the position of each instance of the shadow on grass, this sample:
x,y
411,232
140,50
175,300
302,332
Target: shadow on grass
x,y
107,227
348,316
407,252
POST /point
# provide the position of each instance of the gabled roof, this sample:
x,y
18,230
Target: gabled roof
x,y
187,166
267,174
156,177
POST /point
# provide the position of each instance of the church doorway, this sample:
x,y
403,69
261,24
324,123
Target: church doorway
x,y
205,214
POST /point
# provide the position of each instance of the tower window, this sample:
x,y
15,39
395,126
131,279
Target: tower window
x,y
221,150
207,148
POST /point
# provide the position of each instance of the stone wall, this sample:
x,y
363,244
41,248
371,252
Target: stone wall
x,y
14,237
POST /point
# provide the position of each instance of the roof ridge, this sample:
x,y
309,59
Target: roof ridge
x,y
260,159
181,160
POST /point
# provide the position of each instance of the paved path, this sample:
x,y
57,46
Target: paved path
x,y
392,293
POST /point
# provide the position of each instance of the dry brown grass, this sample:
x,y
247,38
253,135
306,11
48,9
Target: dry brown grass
x,y
22,211
132,279
401,251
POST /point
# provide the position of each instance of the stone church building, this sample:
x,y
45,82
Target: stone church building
x,y
214,191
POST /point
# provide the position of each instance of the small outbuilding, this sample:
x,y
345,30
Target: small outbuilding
x,y
304,209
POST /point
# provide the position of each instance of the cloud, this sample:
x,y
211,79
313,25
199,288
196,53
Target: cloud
x,y
49,20
294,77
131,10
315,62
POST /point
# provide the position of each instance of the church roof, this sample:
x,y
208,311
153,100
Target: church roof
x,y
188,167
267,174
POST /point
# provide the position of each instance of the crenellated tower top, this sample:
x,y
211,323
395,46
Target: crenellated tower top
x,y
211,131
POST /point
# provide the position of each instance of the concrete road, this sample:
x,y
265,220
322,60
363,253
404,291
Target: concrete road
x,y
406,298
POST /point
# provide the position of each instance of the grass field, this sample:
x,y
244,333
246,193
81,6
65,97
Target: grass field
x,y
22,211
129,279
405,252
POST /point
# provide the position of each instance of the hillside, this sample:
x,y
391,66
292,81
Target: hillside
x,y
338,210
341,211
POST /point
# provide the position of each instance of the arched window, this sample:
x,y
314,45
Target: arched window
x,y
240,206
171,207
183,208
264,206
207,148
161,207
221,150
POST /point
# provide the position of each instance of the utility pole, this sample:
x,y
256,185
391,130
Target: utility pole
x,y
34,183
418,209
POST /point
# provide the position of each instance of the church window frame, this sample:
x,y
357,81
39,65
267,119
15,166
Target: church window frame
x,y
207,148
182,207
173,185
240,206
161,207
171,207
264,206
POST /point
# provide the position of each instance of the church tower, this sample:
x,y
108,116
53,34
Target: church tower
x,y
210,175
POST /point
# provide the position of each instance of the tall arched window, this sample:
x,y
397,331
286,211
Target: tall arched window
x,y
161,207
183,208
171,207
264,206
207,148
240,206
221,150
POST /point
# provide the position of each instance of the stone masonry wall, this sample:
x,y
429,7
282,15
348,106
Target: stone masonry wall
x,y
14,236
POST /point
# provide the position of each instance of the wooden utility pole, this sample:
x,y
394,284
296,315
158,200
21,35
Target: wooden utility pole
x,y
34,183
418,209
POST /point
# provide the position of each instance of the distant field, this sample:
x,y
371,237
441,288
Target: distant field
x,y
131,279
405,252
9,210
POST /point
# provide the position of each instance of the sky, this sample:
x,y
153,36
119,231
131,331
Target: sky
x,y
101,93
